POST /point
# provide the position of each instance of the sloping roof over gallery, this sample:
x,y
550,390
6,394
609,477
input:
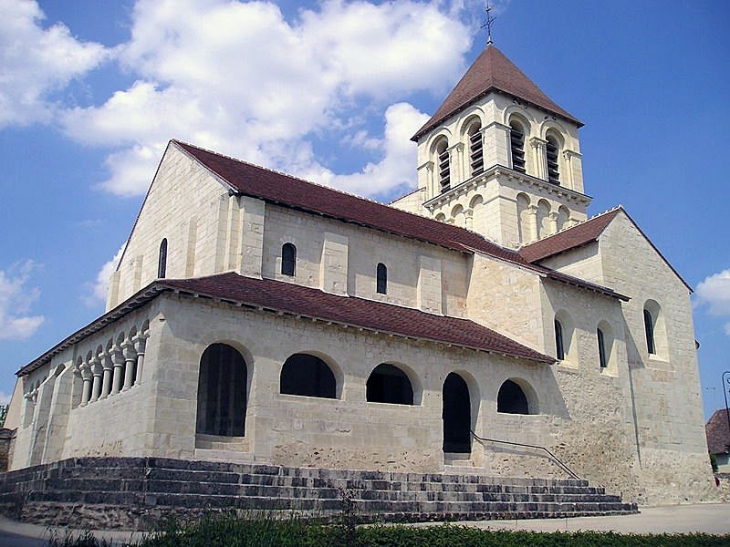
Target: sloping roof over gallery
x,y
583,234
718,433
492,71
304,302
288,191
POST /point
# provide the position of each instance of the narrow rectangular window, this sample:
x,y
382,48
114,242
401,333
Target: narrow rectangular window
x,y
382,279
601,349
649,328
559,348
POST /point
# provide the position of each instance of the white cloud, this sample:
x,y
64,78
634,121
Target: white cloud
x,y
98,289
241,79
714,292
15,302
35,61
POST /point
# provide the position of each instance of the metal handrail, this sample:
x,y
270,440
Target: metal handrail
x,y
552,456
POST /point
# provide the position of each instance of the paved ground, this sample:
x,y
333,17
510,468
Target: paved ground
x,y
675,519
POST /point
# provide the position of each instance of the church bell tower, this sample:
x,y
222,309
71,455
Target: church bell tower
x,y
500,158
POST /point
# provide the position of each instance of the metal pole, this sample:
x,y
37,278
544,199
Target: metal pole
x,y
725,389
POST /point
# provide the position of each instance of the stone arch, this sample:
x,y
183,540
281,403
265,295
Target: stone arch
x,y
523,219
458,414
394,384
308,374
543,218
563,220
458,215
516,396
606,350
567,335
655,329
440,217
222,392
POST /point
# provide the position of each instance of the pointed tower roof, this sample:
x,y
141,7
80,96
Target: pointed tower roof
x,y
492,71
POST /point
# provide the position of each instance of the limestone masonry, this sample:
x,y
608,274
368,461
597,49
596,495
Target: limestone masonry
x,y
258,319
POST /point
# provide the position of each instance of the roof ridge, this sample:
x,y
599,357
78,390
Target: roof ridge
x,y
292,177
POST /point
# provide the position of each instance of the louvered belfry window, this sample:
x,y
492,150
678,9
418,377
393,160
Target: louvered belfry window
x,y
517,145
444,166
476,150
552,160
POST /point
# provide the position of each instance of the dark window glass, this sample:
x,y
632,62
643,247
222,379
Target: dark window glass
x,y
560,349
649,329
602,356
389,384
288,259
382,275
162,260
307,375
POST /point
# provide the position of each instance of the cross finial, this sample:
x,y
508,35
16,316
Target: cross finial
x,y
488,23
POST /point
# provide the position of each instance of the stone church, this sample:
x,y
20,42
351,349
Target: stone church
x,y
256,318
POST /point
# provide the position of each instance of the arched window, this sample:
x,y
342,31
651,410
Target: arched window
x,y
476,149
456,415
307,375
603,350
543,218
382,278
649,330
523,218
288,259
559,341
517,146
444,167
389,384
511,399
221,392
162,259
552,148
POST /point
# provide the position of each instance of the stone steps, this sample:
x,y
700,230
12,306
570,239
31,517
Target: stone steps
x,y
134,492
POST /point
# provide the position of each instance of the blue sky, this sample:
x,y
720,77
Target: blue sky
x,y
90,92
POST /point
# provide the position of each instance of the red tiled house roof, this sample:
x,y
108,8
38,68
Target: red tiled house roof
x,y
288,298
492,71
572,238
718,433
288,191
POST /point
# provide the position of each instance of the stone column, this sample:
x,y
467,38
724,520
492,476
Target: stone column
x,y
140,343
552,222
96,371
425,179
106,385
456,165
532,231
539,158
118,363
87,378
130,358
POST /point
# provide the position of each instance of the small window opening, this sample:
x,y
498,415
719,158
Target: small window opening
x,y
444,166
288,259
389,384
511,399
559,345
309,376
221,392
162,260
382,279
552,160
649,329
517,145
476,149
602,354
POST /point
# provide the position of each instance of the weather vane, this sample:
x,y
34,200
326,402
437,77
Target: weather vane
x,y
488,23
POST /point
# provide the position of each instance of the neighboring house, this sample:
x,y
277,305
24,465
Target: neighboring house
x,y
717,430
257,317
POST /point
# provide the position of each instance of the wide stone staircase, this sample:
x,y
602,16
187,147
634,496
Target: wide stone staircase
x,y
137,493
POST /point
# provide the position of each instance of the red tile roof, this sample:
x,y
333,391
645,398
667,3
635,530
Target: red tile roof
x,y
285,190
718,433
492,70
280,297
574,237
